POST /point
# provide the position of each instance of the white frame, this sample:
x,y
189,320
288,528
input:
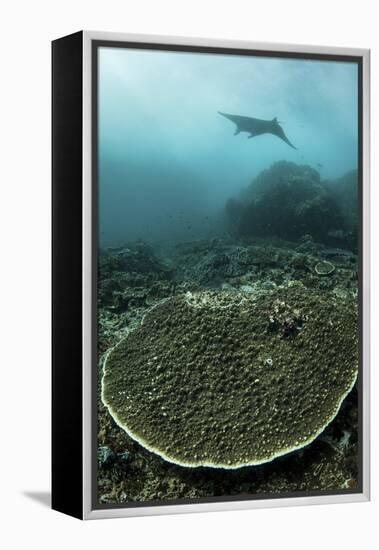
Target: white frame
x,y
88,512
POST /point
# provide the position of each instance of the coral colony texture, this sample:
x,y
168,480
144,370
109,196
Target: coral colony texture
x,y
227,379
228,262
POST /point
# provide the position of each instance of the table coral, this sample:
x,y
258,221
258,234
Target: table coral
x,y
228,379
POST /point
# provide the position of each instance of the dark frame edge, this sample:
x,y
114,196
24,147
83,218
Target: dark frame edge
x,y
67,184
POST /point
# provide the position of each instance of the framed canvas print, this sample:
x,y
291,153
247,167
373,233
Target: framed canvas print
x,y
210,275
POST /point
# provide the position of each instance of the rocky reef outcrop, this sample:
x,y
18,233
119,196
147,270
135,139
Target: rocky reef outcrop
x,y
345,192
287,201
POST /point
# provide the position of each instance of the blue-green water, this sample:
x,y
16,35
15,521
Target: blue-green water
x,y
188,210
168,162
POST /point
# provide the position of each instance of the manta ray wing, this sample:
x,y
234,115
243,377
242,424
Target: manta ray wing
x,y
243,123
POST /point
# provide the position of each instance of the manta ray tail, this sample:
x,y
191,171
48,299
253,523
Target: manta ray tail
x,y
288,142
279,132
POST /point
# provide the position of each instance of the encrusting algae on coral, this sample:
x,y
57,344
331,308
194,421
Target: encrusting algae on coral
x,y
229,379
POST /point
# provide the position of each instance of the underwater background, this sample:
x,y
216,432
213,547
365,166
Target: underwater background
x,y
167,159
187,206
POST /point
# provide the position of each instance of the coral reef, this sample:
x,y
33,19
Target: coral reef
x,y
289,201
135,280
324,268
345,192
327,464
224,379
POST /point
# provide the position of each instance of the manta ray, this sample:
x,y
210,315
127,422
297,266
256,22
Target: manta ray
x,y
257,126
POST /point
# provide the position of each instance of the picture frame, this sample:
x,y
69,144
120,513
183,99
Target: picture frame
x,y
80,381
